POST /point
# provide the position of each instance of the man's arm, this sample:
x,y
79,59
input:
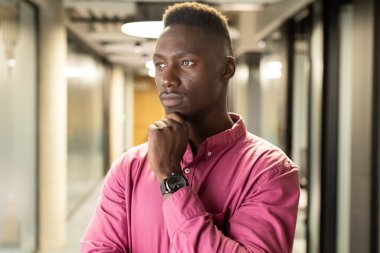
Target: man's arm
x,y
107,229
265,221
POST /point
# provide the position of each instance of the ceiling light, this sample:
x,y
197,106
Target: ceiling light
x,y
85,72
11,63
149,65
240,7
152,72
151,68
262,44
144,29
272,70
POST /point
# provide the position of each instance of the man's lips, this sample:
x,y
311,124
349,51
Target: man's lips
x,y
171,99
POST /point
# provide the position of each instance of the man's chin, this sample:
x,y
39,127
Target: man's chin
x,y
171,110
175,110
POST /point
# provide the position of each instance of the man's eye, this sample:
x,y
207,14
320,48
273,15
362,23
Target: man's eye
x,y
159,65
187,63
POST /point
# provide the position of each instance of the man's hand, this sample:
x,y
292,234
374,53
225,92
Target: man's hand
x,y
167,141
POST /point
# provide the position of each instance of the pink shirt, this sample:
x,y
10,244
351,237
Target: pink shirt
x,y
243,197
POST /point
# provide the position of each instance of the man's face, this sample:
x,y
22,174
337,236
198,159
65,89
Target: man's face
x,y
189,71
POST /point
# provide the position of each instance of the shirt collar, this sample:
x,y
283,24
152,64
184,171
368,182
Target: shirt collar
x,y
219,141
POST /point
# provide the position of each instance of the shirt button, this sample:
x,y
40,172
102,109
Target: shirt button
x,y
187,170
209,153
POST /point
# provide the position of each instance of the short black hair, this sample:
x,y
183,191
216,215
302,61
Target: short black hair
x,y
197,14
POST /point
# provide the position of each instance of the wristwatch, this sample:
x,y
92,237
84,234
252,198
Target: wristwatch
x,y
173,183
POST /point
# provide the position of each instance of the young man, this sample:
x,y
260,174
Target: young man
x,y
202,183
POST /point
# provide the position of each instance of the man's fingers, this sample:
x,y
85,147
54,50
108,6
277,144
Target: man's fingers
x,y
176,117
161,124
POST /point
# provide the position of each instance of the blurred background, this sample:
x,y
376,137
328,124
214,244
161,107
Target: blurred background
x,y
77,90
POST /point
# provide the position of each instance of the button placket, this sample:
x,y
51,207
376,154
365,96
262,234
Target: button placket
x,y
188,172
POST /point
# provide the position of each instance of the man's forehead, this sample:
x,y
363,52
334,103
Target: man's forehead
x,y
179,39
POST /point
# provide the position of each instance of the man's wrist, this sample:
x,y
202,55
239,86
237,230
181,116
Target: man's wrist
x,y
173,183
164,172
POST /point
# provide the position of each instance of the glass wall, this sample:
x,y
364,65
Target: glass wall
x,y
345,112
300,112
273,93
18,126
86,77
315,112
244,95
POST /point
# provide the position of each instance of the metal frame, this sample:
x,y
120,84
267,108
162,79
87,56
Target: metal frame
x,y
330,126
375,214
362,164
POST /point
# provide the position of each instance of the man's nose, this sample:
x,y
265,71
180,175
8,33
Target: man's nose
x,y
169,77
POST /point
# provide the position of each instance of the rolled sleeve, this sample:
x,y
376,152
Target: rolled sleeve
x,y
181,207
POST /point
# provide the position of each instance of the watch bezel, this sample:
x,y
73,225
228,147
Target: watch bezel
x,y
173,183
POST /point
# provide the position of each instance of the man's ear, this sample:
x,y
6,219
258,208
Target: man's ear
x,y
229,68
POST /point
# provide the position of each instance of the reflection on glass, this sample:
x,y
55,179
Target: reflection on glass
x,y
85,78
273,94
300,129
18,132
345,132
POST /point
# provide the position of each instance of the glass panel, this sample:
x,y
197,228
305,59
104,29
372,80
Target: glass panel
x,y
244,95
300,120
85,81
344,148
314,175
273,93
18,132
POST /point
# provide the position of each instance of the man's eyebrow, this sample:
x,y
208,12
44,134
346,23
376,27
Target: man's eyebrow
x,y
179,54
158,56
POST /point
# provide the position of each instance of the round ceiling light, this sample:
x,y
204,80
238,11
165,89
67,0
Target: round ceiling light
x,y
143,29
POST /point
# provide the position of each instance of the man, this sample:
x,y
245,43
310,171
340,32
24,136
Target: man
x,y
202,183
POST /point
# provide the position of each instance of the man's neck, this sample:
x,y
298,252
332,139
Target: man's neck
x,y
206,127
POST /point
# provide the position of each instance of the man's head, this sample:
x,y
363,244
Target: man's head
x,y
193,59
201,15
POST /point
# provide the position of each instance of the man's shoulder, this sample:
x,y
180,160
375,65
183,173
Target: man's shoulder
x,y
138,150
268,160
259,143
266,152
135,154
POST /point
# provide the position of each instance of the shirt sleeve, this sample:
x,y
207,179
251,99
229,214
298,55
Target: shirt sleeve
x,y
106,231
264,222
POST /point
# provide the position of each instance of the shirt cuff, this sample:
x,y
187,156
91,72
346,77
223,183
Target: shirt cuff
x,y
180,207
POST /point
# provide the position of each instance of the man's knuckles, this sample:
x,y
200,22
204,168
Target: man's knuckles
x,y
175,117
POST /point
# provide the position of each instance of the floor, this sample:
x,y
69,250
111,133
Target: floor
x,y
79,220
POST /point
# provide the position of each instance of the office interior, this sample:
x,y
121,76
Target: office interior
x,y
76,92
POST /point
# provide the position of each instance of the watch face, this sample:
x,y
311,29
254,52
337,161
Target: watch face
x,y
175,182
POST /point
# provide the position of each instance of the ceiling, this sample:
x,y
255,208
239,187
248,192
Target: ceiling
x,y
99,23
